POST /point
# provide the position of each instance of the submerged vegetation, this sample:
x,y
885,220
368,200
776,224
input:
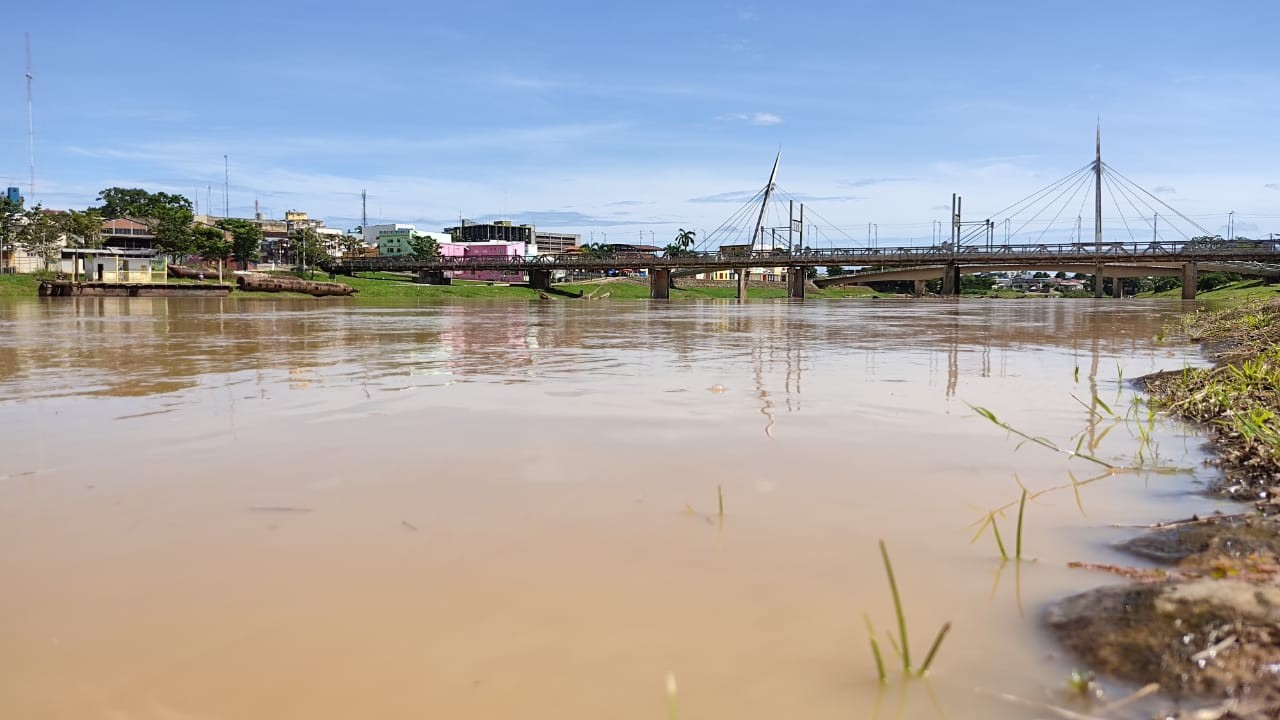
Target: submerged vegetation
x,y
901,646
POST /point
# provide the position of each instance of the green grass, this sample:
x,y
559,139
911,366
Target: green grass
x,y
18,285
1242,290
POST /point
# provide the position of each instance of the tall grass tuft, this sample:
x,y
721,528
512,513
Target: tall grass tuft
x,y
1022,507
875,650
897,608
901,646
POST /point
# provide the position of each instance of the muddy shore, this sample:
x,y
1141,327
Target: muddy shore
x,y
1205,626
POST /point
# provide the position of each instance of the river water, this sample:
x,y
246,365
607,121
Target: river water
x,y
259,509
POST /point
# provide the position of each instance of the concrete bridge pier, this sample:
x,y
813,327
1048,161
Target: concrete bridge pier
x,y
1117,287
951,279
918,290
795,282
540,279
1189,277
433,277
1097,281
743,273
660,283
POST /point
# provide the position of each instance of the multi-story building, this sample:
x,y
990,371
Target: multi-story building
x,y
126,234
498,231
399,240
551,243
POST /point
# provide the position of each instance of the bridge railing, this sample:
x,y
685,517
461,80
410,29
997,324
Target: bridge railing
x,y
945,252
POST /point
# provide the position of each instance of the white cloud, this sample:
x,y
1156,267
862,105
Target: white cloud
x,y
755,118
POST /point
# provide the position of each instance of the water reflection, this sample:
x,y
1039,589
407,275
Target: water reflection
x,y
495,501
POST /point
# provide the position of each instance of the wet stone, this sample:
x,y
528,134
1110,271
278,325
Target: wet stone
x,y
1195,638
1232,537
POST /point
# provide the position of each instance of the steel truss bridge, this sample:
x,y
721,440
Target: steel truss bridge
x,y
1108,259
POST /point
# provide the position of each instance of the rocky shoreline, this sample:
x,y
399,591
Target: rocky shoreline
x,y
1205,627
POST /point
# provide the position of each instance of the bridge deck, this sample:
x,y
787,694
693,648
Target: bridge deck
x,y
1261,251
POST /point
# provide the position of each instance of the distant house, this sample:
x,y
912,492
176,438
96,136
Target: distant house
x,y
112,265
126,234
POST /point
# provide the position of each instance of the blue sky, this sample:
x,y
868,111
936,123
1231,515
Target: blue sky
x,y
622,120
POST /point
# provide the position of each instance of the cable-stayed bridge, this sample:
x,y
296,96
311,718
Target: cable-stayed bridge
x,y
1040,234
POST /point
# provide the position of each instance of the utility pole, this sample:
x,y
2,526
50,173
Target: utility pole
x,y
1231,225
31,129
1155,224
226,187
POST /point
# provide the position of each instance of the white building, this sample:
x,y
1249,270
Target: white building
x,y
398,239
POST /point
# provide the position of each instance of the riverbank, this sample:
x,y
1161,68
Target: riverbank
x,y
1206,627
395,286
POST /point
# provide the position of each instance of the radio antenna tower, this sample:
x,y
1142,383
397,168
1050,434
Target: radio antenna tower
x,y
31,127
364,211
226,187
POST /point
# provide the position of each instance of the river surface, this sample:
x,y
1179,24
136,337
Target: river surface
x,y
257,509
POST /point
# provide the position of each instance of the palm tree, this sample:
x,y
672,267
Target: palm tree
x,y
684,238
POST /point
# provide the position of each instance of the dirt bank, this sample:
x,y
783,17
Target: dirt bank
x,y
1207,627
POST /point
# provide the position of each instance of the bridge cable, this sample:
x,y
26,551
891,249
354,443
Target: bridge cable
x,y
1127,192
815,213
1065,205
1084,199
1044,202
731,222
1124,193
1153,197
1047,189
1040,211
1119,211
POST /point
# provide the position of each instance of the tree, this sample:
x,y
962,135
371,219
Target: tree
x,y
41,234
834,270
246,239
1061,275
210,243
308,248
424,247
685,238
12,218
351,246
82,229
595,249
168,217
674,249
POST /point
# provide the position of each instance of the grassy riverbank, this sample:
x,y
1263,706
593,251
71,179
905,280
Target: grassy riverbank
x,y
1239,398
1204,627
1242,290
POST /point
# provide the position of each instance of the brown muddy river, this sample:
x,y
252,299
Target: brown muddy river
x,y
261,510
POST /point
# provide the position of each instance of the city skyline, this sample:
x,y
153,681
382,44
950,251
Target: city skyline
x,y
627,120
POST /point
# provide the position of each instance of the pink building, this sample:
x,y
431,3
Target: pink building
x,y
485,249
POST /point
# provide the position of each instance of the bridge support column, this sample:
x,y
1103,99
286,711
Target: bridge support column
x,y
795,282
951,279
1189,277
433,277
1097,281
918,289
660,283
1117,287
540,279
743,273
